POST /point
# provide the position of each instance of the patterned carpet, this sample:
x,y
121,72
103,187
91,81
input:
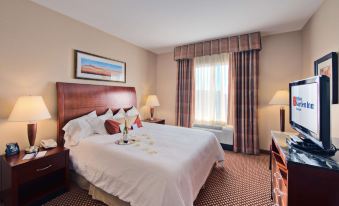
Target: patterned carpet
x,y
245,181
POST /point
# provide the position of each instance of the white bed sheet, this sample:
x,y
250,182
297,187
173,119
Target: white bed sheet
x,y
167,166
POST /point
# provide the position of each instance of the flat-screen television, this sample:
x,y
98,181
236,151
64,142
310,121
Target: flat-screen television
x,y
310,109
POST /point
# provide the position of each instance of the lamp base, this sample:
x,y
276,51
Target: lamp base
x,y
31,133
282,119
32,149
152,113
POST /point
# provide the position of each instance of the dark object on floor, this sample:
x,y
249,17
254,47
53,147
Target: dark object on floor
x,y
245,181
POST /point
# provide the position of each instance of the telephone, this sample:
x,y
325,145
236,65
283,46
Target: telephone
x,y
48,143
12,149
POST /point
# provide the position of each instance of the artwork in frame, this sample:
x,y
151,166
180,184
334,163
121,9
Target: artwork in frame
x,y
328,65
90,66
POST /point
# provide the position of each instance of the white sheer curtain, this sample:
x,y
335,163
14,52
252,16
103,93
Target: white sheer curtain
x,y
211,89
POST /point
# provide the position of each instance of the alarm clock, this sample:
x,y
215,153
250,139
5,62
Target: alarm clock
x,y
12,149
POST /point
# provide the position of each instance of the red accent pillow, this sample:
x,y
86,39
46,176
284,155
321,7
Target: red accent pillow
x,y
138,122
112,127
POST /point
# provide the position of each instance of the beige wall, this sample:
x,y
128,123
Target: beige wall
x,y
280,63
166,87
36,50
320,36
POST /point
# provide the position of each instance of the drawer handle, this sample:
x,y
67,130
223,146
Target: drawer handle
x,y
42,169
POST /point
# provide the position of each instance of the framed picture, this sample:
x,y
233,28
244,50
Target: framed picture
x,y
328,65
90,66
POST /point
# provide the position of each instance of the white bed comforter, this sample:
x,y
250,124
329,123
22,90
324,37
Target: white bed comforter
x,y
167,166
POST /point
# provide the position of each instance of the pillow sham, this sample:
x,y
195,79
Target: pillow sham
x,y
120,116
78,128
98,124
138,122
112,126
132,112
132,116
107,115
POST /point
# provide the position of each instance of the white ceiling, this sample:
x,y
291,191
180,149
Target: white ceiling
x,y
160,25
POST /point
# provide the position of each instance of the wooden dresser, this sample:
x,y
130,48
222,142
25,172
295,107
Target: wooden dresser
x,y
300,178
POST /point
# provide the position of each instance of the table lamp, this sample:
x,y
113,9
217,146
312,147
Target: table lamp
x,y
152,101
30,109
281,98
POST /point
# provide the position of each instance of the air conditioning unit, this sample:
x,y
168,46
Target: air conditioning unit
x,y
223,133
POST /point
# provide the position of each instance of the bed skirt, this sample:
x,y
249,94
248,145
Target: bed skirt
x,y
97,193
108,199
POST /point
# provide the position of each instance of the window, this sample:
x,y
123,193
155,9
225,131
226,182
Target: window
x,y
211,89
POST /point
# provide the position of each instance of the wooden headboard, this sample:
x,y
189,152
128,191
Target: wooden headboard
x,y
75,100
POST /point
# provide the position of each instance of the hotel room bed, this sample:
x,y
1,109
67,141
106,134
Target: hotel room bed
x,y
166,166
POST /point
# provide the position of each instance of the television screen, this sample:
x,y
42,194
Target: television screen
x,y
305,106
310,109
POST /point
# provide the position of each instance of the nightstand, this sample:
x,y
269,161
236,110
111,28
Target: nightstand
x,y
157,121
26,182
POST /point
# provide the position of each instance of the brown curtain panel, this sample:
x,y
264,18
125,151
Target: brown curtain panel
x,y
243,101
185,93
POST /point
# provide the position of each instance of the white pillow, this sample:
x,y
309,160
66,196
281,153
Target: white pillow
x,y
120,115
131,115
107,115
78,128
132,112
98,124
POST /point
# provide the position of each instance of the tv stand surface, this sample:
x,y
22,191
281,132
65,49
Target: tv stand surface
x,y
302,178
309,146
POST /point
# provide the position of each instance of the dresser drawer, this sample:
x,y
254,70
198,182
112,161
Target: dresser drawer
x,y
40,167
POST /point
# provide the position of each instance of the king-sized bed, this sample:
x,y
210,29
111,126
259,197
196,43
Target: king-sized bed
x,y
167,165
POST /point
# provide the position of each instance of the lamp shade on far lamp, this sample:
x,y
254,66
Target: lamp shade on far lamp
x,y
30,109
281,98
152,101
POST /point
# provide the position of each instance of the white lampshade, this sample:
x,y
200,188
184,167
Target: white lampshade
x,y
152,101
29,109
281,97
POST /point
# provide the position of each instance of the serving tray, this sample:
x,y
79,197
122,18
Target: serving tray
x,y
120,142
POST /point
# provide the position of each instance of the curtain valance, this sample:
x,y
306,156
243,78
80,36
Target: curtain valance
x,y
232,44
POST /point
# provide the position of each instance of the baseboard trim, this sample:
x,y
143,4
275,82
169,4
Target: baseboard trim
x,y
229,147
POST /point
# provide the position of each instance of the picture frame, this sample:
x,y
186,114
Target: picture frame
x,y
95,67
328,65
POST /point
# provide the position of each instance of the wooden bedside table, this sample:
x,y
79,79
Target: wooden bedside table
x,y
157,121
25,182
